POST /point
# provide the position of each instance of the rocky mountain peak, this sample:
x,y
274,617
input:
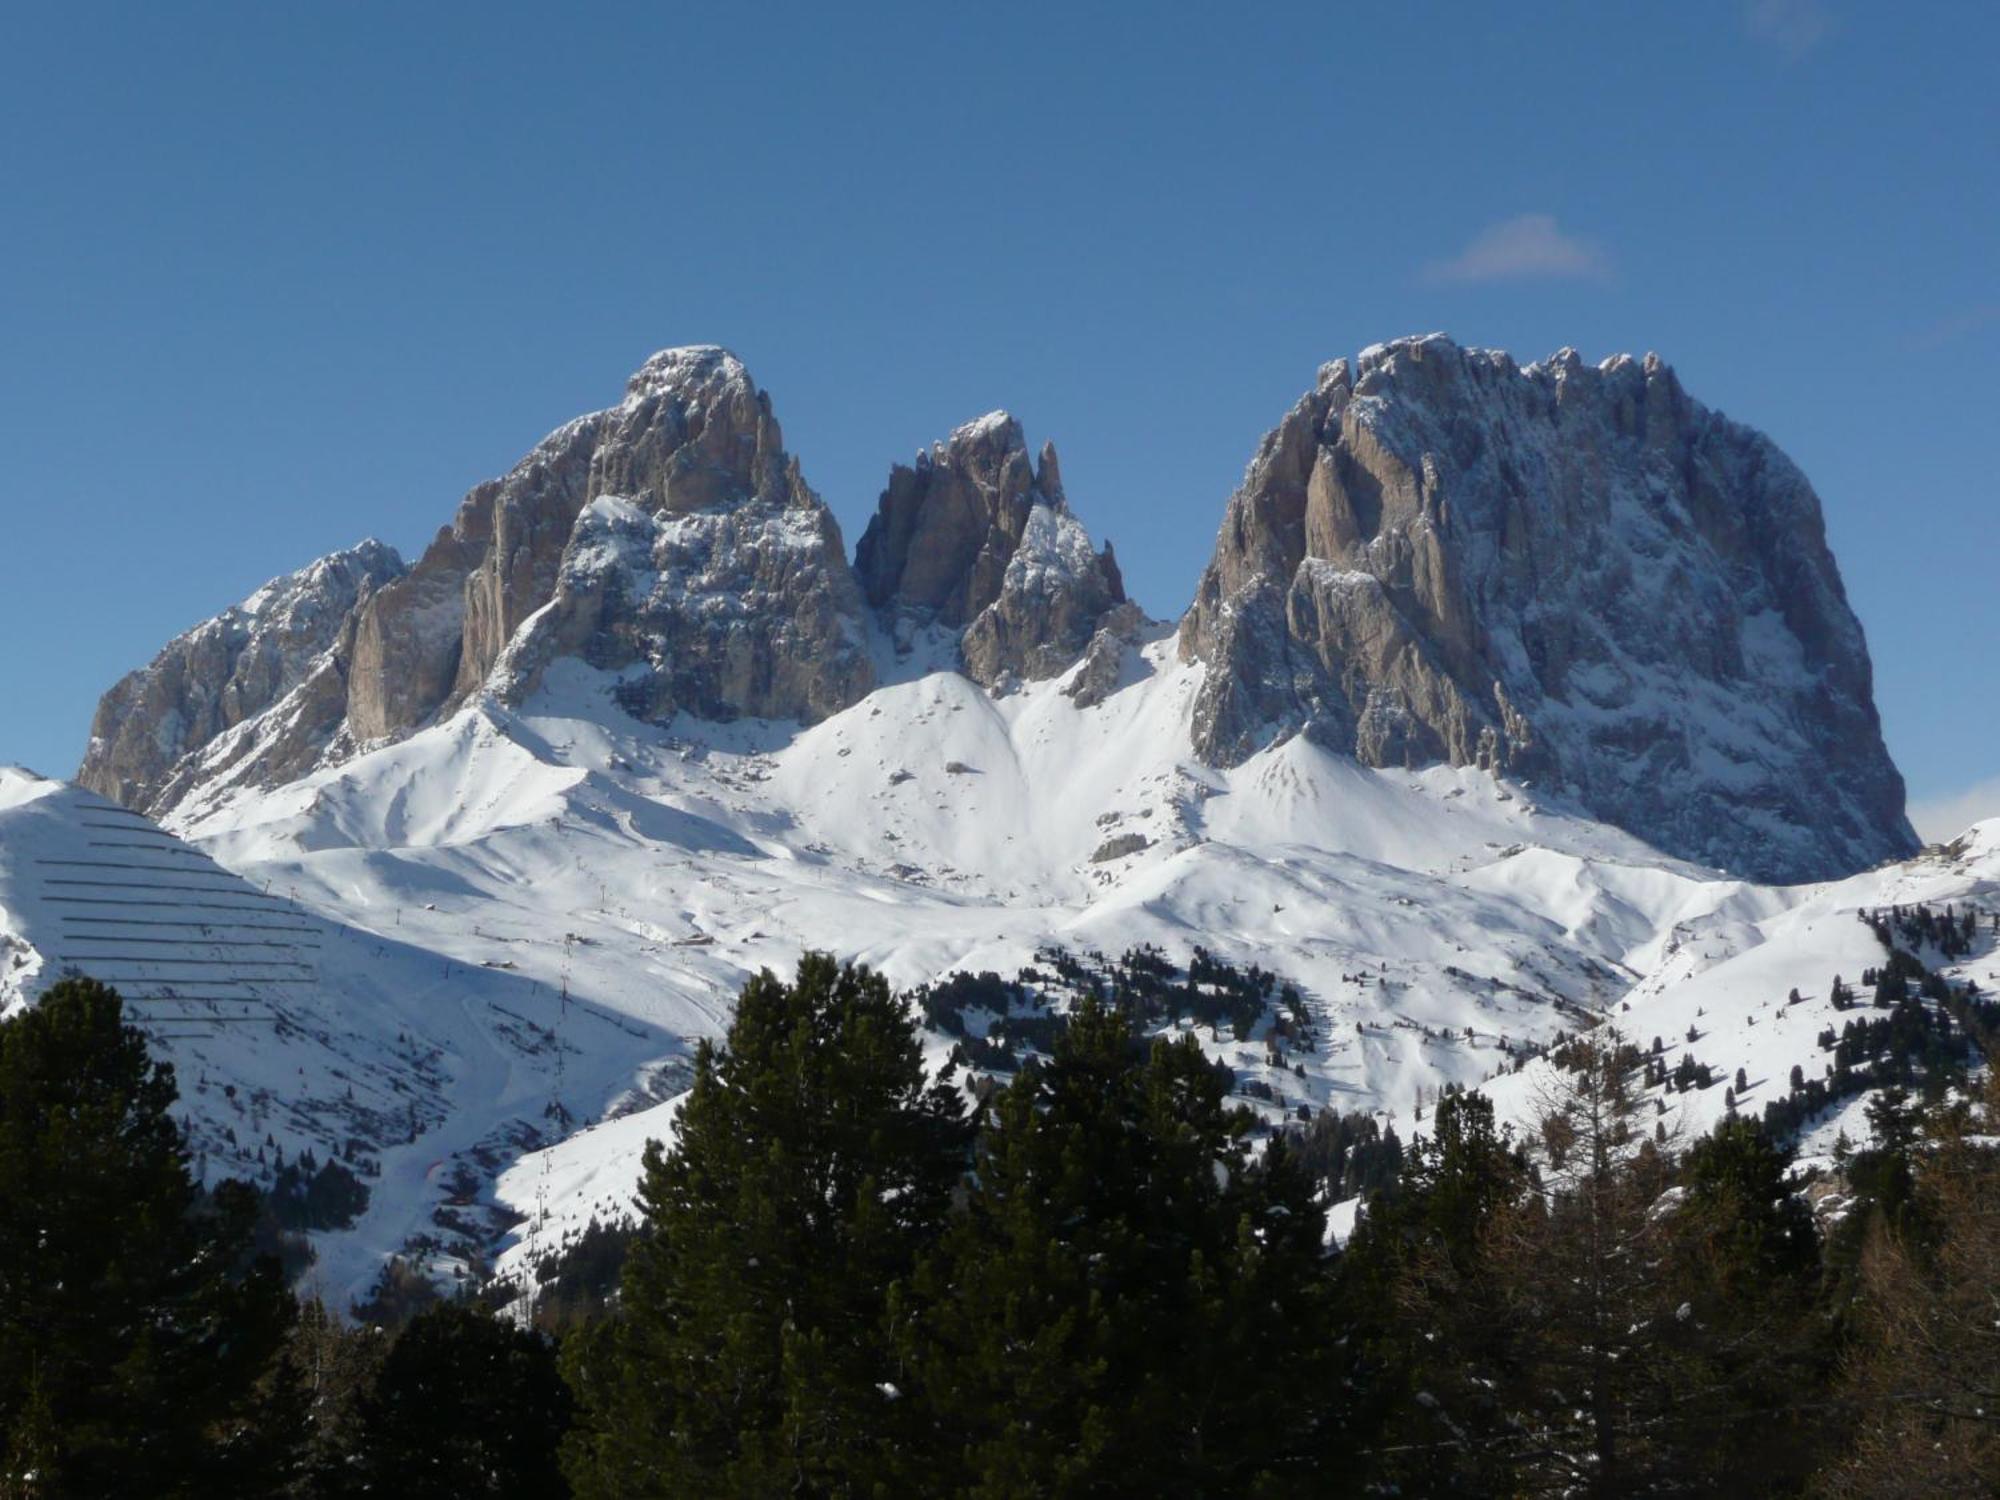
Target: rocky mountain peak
x,y
702,567
685,367
693,431
1048,478
228,670
670,536
946,525
694,441
975,538
1570,573
1573,573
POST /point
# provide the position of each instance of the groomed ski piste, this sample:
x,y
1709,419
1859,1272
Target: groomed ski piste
x,y
526,918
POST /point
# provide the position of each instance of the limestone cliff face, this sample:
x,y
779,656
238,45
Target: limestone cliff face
x,y
736,600
426,643
694,436
1574,574
228,671
704,569
976,539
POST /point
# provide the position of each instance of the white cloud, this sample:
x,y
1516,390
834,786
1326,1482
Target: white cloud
x,y
1528,245
1794,27
1940,819
1959,325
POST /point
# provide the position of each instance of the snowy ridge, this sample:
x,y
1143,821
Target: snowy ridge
x,y
293,1031
469,875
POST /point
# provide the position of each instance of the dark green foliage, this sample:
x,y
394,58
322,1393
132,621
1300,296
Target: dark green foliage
x,y
1739,1200
1744,1257
1920,926
813,1163
1419,1307
1000,1023
1012,1019
307,1194
1127,1304
1116,1284
464,1405
1347,1155
580,1281
1929,1036
134,1322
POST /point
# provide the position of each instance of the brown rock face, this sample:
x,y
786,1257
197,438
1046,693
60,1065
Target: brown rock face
x,y
1574,574
704,569
227,671
976,539
740,602
694,435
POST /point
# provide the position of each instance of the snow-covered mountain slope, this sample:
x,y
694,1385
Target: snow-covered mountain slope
x,y
1725,979
1436,921
1478,643
293,1031
1724,968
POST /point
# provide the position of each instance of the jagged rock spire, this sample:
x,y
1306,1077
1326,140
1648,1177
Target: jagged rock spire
x,y
972,537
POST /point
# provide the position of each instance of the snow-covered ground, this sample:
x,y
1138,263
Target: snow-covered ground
x,y
460,883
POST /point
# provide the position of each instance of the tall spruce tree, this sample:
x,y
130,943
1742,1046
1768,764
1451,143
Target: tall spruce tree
x,y
134,1323
1431,1353
812,1162
1743,1257
1129,1303
465,1405
1592,1318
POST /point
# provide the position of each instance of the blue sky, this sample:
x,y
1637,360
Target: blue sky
x,y
275,278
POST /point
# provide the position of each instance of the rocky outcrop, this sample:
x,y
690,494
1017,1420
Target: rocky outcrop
x,y
426,644
692,434
669,538
973,538
228,671
704,569
1574,574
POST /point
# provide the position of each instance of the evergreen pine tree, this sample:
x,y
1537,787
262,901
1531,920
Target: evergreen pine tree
x,y
1418,1298
134,1325
1742,1258
813,1160
465,1405
1129,1303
